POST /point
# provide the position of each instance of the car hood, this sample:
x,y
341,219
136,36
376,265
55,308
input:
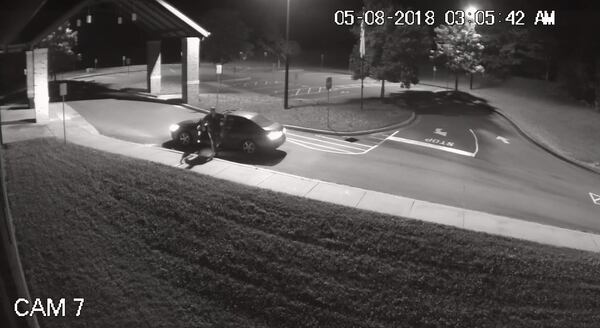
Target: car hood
x,y
187,123
273,127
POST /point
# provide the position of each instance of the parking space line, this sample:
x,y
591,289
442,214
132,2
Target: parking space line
x,y
353,143
311,145
328,142
297,92
382,141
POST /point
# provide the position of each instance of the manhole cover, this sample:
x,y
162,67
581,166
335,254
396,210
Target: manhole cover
x,y
351,139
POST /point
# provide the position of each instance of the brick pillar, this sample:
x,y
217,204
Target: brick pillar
x,y
153,62
190,69
40,84
29,73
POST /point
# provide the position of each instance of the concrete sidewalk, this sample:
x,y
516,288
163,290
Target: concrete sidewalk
x,y
79,131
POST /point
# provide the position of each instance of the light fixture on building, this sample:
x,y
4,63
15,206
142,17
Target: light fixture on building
x,y
88,17
119,20
133,17
78,22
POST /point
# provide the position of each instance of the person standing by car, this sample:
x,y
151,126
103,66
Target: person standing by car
x,y
211,124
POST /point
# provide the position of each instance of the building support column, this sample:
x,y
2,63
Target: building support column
x,y
153,69
190,69
41,97
29,76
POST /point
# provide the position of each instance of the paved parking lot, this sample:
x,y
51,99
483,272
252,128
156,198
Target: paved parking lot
x,y
305,85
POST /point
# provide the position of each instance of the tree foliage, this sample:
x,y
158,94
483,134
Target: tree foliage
x,y
270,38
61,44
392,51
229,36
459,47
404,46
510,49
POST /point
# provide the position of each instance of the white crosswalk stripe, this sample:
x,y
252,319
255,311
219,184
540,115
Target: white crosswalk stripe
x,y
338,144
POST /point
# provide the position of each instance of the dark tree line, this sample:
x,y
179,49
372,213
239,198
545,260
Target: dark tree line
x,y
569,55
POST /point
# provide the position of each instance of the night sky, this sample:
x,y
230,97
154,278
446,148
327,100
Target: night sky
x,y
312,20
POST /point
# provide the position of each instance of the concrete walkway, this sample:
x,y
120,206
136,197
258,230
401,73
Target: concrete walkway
x,y
79,131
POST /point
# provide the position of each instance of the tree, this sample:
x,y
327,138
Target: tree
x,y
459,48
402,49
269,37
392,51
374,40
229,36
60,44
511,49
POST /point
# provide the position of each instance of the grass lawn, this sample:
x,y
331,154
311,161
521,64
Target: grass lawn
x,y
152,246
345,116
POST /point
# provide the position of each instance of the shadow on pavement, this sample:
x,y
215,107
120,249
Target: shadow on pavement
x,y
443,103
77,90
334,102
267,158
88,90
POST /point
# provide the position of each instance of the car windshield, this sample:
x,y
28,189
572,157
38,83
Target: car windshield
x,y
262,121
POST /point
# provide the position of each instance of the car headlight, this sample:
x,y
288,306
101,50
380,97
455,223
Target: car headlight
x,y
274,135
284,131
174,127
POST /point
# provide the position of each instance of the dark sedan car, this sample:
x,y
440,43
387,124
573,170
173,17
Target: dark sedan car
x,y
246,131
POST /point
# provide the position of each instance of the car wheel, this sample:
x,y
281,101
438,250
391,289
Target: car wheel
x,y
249,147
184,138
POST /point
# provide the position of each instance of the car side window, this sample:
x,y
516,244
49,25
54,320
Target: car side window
x,y
227,122
239,125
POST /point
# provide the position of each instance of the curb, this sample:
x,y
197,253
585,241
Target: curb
x,y
412,209
545,147
102,74
238,79
406,122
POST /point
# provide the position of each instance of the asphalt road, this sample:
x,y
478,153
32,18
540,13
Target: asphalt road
x,y
454,153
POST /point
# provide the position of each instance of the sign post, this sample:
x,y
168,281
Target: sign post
x,y
328,83
128,60
63,93
219,72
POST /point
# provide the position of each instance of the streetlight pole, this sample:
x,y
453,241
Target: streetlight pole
x,y
287,56
471,11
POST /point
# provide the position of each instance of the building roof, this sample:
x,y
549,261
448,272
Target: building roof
x,y
157,17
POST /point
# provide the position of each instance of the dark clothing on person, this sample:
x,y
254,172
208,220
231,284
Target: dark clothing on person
x,y
211,125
